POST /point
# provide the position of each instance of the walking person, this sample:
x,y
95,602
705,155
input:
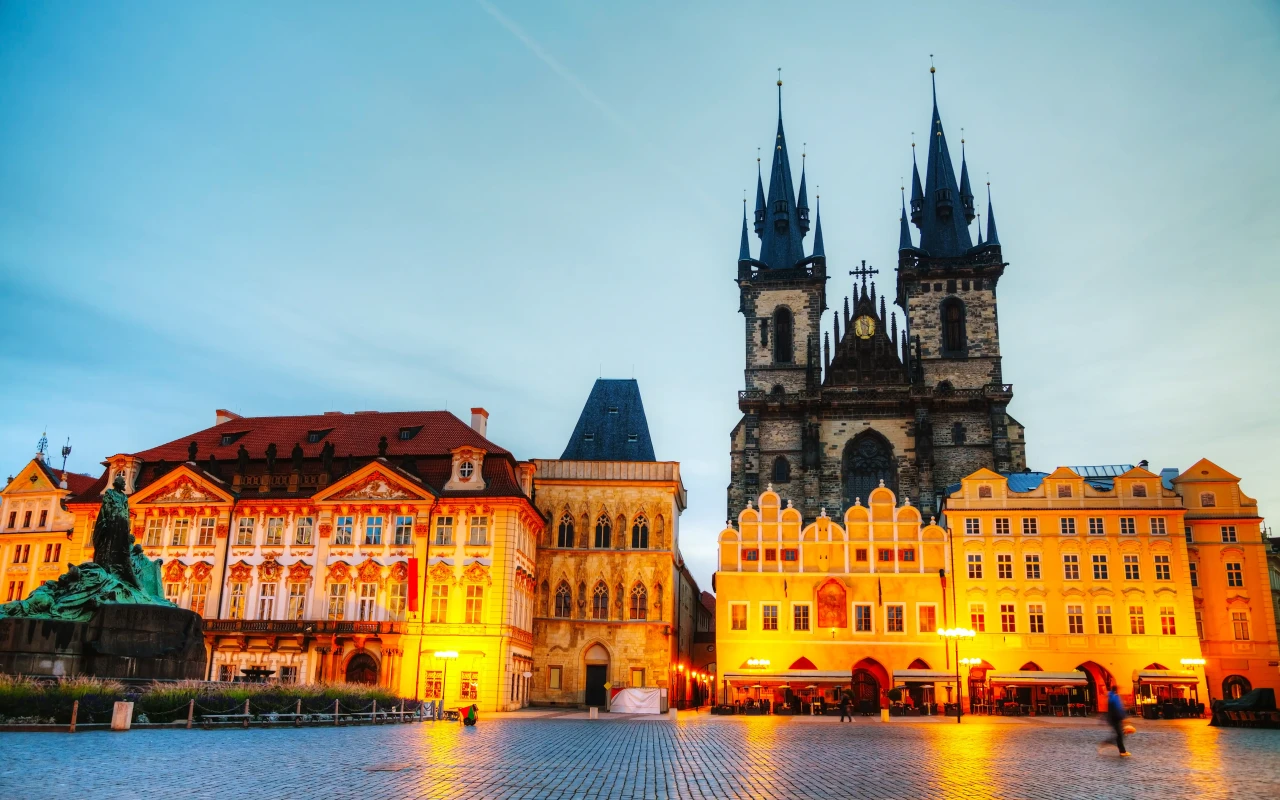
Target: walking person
x,y
844,708
1115,718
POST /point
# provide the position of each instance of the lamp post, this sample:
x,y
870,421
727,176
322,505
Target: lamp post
x,y
446,656
955,635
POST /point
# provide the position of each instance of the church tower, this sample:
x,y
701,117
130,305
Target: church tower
x,y
782,295
827,420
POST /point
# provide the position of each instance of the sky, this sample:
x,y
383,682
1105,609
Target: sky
x,y
292,207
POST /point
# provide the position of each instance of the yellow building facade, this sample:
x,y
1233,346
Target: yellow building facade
x,y
37,543
805,610
1063,573
1234,606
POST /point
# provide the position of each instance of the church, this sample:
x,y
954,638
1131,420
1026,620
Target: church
x,y
836,406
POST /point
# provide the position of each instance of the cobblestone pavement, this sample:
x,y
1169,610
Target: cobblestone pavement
x,y
697,757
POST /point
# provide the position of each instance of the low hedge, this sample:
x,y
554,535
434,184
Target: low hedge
x,y
29,700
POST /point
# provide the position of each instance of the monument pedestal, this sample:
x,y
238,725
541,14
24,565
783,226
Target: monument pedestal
x,y
122,641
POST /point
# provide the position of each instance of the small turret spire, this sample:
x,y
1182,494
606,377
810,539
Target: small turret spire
x,y
943,232
893,329
744,248
846,310
904,232
818,248
826,351
966,194
917,191
992,238
883,316
979,216
837,320
759,198
802,203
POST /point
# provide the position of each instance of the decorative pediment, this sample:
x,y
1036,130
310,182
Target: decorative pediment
x,y
30,479
370,572
477,573
240,572
299,572
1101,591
200,571
339,572
269,571
376,481
181,485
399,572
1035,590
174,572
441,572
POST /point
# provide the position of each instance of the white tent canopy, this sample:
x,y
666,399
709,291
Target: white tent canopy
x,y
1036,678
923,676
1167,676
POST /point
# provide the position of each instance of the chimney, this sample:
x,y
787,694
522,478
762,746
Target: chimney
x,y
222,415
1143,464
480,421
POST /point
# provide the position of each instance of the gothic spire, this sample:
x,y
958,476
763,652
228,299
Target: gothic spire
x,y
744,248
759,200
917,193
780,245
883,316
966,194
991,219
818,249
802,204
904,232
826,351
943,233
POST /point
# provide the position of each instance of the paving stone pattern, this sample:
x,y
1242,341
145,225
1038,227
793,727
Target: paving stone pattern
x,y
697,757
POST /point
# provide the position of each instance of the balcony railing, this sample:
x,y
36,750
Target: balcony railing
x,y
300,626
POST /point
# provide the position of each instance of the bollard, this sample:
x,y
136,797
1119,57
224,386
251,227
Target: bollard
x,y
246,712
335,712
191,712
122,716
884,715
75,712
672,713
593,713
297,714
373,720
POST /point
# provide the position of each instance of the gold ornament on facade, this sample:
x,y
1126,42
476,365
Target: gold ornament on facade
x,y
340,572
269,570
299,572
477,573
370,572
441,572
399,571
200,571
174,572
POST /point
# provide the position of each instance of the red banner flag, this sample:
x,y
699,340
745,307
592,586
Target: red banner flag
x,y
413,584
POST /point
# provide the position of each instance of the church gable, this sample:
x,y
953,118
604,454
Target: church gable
x,y
30,479
1205,470
869,352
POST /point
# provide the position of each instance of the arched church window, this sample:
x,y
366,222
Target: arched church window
x,y
564,536
604,533
957,433
781,470
782,336
953,328
564,600
777,390
868,460
640,534
600,602
639,602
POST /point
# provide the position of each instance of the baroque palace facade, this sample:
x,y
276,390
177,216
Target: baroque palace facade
x,y
896,500
404,549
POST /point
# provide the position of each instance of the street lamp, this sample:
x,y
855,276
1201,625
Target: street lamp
x,y
1200,662
955,635
446,656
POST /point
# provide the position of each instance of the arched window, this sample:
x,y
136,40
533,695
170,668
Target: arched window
x,y
782,336
604,533
781,470
600,602
564,600
953,327
1208,499
868,460
564,537
639,602
1235,686
778,389
640,534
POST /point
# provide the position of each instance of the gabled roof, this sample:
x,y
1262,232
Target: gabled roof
x,y
76,482
612,426
1204,470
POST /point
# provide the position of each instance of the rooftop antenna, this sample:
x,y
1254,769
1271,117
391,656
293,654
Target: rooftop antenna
x,y
66,451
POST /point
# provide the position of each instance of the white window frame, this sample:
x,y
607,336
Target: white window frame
x,y
746,615
303,531
888,629
920,617
267,601
1035,610
245,525
1027,560
871,617
1067,526
808,617
209,524
367,602
181,534
777,617
274,536
1030,526
972,526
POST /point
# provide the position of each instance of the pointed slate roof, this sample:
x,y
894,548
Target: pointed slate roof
x,y
817,230
744,247
904,232
780,243
612,426
992,238
943,230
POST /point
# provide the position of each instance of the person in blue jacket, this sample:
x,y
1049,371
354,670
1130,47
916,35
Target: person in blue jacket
x,y
1115,718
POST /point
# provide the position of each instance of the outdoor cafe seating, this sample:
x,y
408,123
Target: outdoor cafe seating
x,y
1167,694
1032,692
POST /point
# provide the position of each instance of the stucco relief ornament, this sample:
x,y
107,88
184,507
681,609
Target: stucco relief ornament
x,y
184,491
174,572
370,572
240,572
340,572
376,487
269,571
399,571
476,573
201,570
299,572
441,572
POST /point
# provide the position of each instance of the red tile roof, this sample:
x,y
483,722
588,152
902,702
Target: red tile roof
x,y
76,482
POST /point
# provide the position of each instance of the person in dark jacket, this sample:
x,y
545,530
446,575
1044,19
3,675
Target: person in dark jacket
x,y
1115,718
844,708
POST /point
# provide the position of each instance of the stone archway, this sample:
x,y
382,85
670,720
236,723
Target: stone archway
x,y
1100,681
362,668
595,671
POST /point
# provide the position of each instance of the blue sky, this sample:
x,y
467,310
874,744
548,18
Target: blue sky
x,y
297,207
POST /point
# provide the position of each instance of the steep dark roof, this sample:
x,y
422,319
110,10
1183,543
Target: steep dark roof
x,y
76,482
612,426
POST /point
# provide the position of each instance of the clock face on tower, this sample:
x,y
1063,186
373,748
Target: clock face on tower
x,y
864,327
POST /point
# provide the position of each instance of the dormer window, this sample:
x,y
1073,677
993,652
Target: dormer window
x,y
466,469
1064,490
409,431
633,437
588,437
230,438
613,409
1139,490
317,435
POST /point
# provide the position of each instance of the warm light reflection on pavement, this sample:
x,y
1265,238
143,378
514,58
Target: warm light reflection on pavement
x,y
698,757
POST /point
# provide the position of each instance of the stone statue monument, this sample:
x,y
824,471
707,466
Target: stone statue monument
x,y
106,617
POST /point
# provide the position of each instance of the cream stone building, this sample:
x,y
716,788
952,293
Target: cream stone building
x,y
612,591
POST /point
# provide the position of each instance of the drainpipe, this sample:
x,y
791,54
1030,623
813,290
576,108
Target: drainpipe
x,y
222,579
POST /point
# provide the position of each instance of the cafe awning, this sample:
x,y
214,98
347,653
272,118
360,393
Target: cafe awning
x,y
1166,676
797,676
923,676
1037,678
